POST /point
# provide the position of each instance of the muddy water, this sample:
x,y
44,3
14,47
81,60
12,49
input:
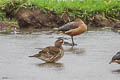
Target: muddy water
x,y
87,61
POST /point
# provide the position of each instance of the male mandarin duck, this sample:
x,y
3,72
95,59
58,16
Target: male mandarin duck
x,y
74,28
116,58
51,54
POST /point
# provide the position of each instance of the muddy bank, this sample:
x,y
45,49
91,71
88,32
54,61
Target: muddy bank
x,y
36,18
116,27
8,26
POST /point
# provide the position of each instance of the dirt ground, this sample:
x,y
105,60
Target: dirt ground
x,y
37,19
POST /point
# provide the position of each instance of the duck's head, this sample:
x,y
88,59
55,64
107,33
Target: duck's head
x,y
118,52
115,58
59,42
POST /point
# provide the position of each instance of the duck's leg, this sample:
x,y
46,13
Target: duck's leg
x,y
72,41
70,44
73,44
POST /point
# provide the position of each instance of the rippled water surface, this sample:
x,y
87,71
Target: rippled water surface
x,y
89,60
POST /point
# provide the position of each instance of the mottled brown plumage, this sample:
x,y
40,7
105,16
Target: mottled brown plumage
x,y
116,58
74,28
51,53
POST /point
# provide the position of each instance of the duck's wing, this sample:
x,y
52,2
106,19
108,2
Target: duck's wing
x,y
68,26
36,55
47,52
50,50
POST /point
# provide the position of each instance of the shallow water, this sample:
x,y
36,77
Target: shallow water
x,y
89,60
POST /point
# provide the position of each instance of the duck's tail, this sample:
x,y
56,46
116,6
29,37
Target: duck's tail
x,y
31,56
36,55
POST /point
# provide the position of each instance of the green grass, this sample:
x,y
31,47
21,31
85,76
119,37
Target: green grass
x,y
85,9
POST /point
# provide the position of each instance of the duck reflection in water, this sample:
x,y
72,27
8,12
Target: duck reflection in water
x,y
77,51
58,66
116,71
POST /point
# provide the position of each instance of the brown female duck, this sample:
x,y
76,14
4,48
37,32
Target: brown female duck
x,y
74,28
51,53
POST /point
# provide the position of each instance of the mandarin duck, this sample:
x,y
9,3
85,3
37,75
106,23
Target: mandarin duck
x,y
74,28
51,54
116,58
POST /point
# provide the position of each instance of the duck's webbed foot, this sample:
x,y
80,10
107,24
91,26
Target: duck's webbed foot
x,y
74,44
